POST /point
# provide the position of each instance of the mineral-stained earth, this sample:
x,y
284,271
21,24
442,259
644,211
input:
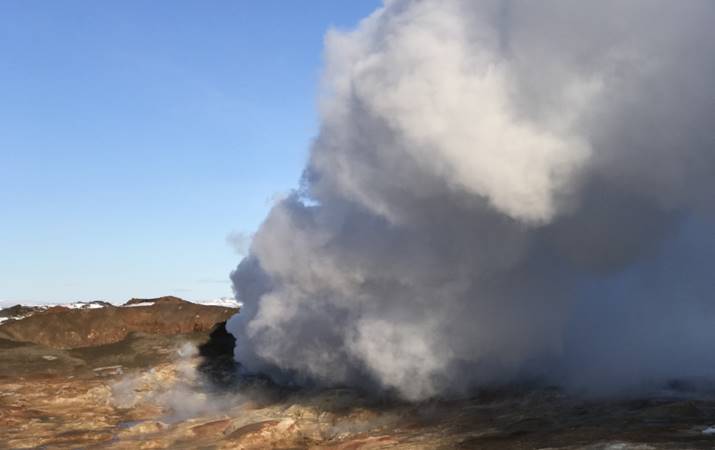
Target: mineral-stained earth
x,y
160,375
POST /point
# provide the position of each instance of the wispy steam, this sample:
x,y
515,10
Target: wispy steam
x,y
499,189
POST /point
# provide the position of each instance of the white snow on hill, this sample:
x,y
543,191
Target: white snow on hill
x,y
227,302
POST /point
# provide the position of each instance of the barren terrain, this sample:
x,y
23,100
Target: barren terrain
x,y
175,386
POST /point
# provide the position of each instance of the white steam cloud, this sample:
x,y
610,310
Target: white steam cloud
x,y
499,189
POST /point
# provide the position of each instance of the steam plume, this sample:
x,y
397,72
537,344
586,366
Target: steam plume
x,y
498,189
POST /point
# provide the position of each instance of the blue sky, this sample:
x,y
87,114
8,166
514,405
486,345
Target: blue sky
x,y
135,136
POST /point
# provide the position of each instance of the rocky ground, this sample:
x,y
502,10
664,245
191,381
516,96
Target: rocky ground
x,y
173,385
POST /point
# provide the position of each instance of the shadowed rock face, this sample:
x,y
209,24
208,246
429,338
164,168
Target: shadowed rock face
x,y
65,328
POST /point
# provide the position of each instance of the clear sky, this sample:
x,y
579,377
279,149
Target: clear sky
x,y
135,136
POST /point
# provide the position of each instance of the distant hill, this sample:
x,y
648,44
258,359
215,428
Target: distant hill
x,y
85,324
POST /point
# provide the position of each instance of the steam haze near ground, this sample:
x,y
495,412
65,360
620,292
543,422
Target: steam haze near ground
x,y
499,190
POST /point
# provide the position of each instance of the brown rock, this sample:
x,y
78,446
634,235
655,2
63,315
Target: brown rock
x,y
211,428
277,434
64,328
141,428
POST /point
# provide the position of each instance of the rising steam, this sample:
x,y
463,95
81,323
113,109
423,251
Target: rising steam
x,y
499,189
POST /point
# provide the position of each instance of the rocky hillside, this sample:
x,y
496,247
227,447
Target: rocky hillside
x,y
160,374
98,323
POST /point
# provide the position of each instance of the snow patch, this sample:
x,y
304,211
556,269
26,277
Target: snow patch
x,y
83,305
226,302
